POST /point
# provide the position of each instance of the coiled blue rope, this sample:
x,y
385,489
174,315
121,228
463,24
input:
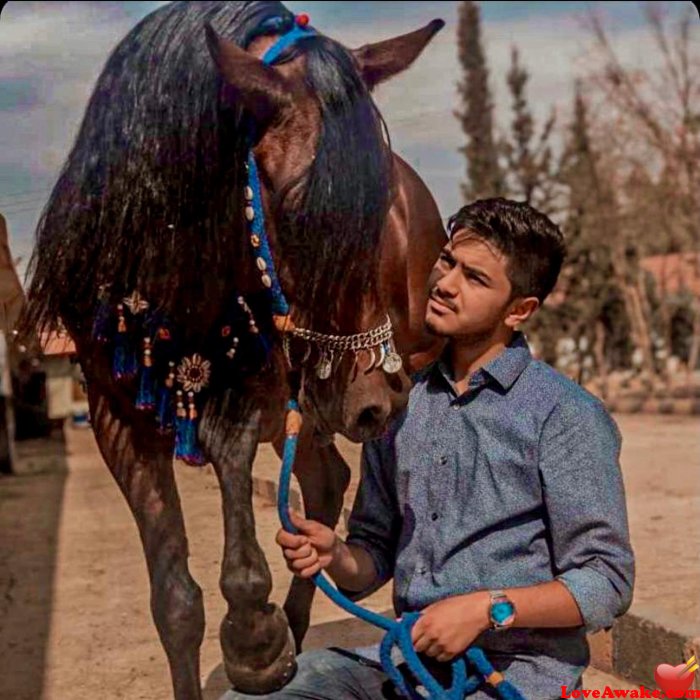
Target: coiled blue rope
x,y
398,633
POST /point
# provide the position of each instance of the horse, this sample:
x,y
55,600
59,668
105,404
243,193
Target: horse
x,y
148,255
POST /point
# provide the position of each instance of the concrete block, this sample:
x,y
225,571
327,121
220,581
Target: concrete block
x,y
601,644
647,637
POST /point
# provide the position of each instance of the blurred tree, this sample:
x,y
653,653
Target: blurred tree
x,y
652,128
484,176
594,304
624,185
595,224
529,173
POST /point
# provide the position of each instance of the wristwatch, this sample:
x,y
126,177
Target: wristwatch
x,y
501,610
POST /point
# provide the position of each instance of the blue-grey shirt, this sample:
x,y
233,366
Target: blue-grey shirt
x,y
512,483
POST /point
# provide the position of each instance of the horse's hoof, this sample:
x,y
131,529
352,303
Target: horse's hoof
x,y
261,658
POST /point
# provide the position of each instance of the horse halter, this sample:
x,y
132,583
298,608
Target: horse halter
x,y
328,346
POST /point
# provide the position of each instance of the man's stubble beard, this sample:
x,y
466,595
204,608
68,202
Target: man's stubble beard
x,y
472,338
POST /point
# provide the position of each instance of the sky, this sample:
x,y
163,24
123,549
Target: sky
x,y
51,54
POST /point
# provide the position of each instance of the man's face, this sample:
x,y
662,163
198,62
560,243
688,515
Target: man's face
x,y
469,290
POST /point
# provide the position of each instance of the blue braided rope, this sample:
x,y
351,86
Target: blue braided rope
x,y
398,633
257,227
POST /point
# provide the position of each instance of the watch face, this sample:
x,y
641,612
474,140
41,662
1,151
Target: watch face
x,y
502,612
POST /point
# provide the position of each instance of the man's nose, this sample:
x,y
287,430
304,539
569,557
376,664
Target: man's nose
x,y
446,285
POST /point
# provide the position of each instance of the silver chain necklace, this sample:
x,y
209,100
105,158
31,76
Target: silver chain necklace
x,y
332,347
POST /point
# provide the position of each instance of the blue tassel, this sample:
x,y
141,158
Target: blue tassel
x,y
124,364
165,410
182,438
101,324
186,447
119,360
146,400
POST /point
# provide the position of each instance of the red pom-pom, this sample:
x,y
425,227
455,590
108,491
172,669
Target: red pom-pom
x,y
302,19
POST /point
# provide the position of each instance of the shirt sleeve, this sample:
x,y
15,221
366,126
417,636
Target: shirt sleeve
x,y
375,520
585,501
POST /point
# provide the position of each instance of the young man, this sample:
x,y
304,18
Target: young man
x,y
495,501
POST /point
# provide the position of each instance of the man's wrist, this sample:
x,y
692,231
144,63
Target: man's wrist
x,y
351,566
479,607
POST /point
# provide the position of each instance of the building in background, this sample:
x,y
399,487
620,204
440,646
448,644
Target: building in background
x,y
11,302
65,394
41,385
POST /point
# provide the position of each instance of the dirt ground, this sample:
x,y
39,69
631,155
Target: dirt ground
x,y
74,600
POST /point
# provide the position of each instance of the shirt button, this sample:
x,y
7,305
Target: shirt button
x,y
421,571
434,516
455,406
443,460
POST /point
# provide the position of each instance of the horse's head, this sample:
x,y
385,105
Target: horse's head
x,y
327,180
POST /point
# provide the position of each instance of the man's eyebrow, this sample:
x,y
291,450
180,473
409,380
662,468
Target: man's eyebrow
x,y
477,271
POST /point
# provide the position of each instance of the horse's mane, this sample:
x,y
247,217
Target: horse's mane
x,y
150,197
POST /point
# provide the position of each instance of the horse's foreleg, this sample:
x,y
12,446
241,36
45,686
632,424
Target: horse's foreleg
x,y
323,477
256,642
143,470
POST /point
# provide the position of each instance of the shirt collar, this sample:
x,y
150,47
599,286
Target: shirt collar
x,y
511,363
504,369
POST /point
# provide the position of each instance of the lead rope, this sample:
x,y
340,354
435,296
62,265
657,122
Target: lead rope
x,y
398,632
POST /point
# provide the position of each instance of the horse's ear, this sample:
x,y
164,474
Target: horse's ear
x,y
258,88
381,61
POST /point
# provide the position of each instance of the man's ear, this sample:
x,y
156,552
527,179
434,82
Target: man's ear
x,y
383,60
521,310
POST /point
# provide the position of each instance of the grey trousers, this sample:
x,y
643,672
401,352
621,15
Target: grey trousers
x,y
340,674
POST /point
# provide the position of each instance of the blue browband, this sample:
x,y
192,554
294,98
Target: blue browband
x,y
298,31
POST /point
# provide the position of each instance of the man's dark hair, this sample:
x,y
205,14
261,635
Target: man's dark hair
x,y
532,243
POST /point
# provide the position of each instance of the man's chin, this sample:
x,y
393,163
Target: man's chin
x,y
434,328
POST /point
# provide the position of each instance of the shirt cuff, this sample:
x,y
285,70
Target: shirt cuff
x,y
380,566
595,596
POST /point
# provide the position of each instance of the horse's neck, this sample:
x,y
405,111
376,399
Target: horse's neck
x,y
413,239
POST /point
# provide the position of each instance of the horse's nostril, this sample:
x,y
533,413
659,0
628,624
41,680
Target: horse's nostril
x,y
370,416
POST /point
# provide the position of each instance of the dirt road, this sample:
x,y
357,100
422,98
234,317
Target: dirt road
x,y
74,601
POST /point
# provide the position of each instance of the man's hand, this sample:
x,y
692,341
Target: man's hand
x,y
446,629
313,549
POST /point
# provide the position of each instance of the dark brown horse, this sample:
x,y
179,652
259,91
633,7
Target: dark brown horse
x,y
153,200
